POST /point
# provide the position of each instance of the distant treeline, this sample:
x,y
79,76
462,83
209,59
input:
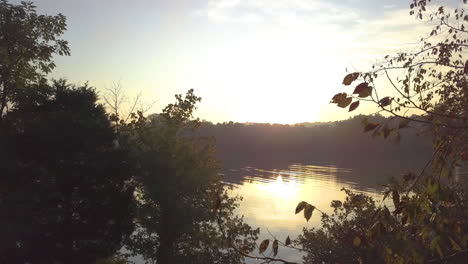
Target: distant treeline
x,y
341,142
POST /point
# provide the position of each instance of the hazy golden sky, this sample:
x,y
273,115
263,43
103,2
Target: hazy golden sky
x,y
250,60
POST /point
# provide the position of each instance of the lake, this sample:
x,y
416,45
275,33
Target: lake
x,y
270,194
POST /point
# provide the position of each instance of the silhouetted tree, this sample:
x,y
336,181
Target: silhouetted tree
x,y
28,42
65,192
180,190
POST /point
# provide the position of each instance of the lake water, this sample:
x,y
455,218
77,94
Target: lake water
x,y
271,192
270,195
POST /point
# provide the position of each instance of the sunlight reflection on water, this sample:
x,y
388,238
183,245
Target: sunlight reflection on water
x,y
270,197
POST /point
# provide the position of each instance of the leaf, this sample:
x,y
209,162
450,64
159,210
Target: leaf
x,y
348,79
263,246
360,87
435,245
309,209
370,126
288,241
300,207
455,245
341,99
403,123
275,247
357,241
366,92
385,101
363,90
337,98
345,102
353,106
396,198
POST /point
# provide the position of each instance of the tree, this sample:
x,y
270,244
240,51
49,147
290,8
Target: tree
x,y
66,192
180,192
425,221
432,84
120,107
28,42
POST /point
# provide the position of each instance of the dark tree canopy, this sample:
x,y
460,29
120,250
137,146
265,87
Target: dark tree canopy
x,y
28,42
65,192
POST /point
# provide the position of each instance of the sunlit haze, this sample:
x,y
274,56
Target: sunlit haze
x,y
276,61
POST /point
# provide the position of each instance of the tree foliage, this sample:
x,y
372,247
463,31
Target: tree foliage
x,y
65,195
180,192
28,42
243,144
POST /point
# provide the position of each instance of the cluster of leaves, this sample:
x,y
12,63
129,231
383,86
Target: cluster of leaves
x,y
308,209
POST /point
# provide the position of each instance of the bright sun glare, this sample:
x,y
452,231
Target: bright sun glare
x,y
280,188
277,77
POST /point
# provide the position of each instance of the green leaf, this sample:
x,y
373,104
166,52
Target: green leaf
x,y
353,106
435,245
263,246
275,247
288,241
300,207
370,126
345,102
348,79
309,209
357,241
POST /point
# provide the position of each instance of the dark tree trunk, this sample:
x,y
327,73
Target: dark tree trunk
x,y
165,253
67,224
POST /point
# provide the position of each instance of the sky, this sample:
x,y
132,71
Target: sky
x,y
271,61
